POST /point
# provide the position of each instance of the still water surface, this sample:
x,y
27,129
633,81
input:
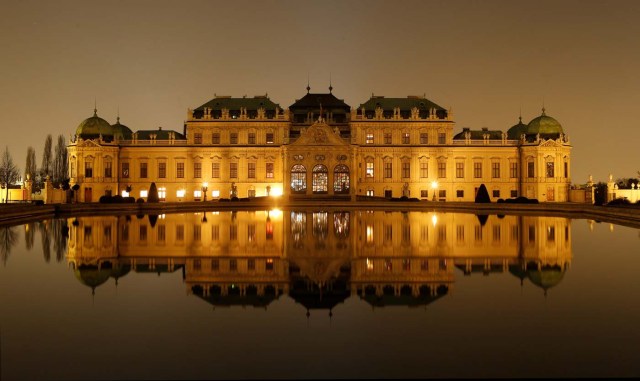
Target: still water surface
x,y
335,294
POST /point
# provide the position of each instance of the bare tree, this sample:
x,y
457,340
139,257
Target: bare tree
x,y
60,161
31,169
8,239
9,173
45,169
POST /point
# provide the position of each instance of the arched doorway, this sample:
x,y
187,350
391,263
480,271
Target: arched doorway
x,y
341,179
298,178
320,179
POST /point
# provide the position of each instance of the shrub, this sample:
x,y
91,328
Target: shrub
x,y
117,199
129,200
153,194
140,200
483,195
619,201
105,200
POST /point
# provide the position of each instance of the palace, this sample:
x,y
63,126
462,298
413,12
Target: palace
x,y
320,147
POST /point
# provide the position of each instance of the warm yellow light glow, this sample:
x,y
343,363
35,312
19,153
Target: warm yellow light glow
x,y
215,193
205,184
434,220
144,193
369,234
369,264
197,194
434,184
275,213
180,193
276,191
125,193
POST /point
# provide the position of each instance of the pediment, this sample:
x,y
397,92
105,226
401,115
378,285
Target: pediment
x,y
550,143
319,134
88,143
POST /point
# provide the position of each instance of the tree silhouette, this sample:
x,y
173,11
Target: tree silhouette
x,y
9,173
153,194
483,195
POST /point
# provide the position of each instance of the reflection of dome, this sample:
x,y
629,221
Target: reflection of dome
x,y
92,276
120,131
518,271
544,125
546,277
516,131
92,128
119,271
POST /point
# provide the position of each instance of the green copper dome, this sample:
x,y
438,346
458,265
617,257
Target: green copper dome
x,y
544,125
546,277
515,132
92,128
120,131
92,276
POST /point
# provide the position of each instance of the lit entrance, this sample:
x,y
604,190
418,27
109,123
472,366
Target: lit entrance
x,y
550,194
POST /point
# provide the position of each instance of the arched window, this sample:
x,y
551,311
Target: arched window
x,y
320,179
341,179
298,178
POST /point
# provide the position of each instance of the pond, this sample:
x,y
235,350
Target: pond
x,y
318,294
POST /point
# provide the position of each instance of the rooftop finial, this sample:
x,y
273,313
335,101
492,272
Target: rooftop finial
x,y
520,117
95,107
330,87
543,109
118,116
308,87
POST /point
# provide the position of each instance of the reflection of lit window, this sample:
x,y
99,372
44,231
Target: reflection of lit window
x,y
424,265
298,227
180,233
197,264
251,232
320,225
269,264
215,265
269,229
233,265
551,233
341,224
143,232
369,231
369,264
215,232
388,265
251,264
406,264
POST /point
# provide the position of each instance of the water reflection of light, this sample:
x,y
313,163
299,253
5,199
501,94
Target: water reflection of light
x,y
275,213
369,264
369,233
434,220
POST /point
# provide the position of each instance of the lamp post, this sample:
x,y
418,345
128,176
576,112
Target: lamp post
x,y
434,186
205,186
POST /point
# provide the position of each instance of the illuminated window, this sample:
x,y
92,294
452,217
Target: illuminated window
x,y
406,138
125,170
369,168
180,193
369,138
269,137
369,264
341,179
269,265
144,193
215,193
369,234
269,170
320,178
298,178
197,194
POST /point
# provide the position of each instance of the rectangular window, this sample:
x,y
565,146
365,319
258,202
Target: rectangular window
x,y
144,170
442,170
197,138
477,170
233,232
442,193
530,170
514,193
215,264
387,138
142,233
215,232
369,169
513,170
251,264
215,170
388,172
406,138
197,170
108,173
496,193
496,233
125,170
197,232
215,138
550,169
495,170
252,138
459,193
233,138
251,170
424,170
442,138
460,170
162,233
566,170
88,169
532,233
179,232
180,170
269,137
406,170
424,193
269,265
269,170
233,170
424,138
369,138
162,170
460,233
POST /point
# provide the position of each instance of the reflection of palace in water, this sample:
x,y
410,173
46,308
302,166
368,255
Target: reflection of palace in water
x,y
320,258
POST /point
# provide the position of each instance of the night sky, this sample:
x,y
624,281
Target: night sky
x,y
487,60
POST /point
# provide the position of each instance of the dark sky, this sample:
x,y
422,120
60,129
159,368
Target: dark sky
x,y
486,59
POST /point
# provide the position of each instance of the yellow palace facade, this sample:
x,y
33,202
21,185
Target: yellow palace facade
x,y
320,147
